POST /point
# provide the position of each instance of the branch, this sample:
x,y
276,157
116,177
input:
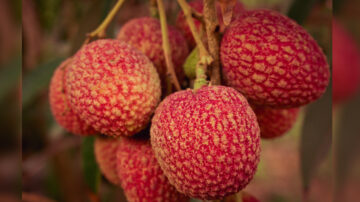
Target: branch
x,y
213,35
153,9
205,58
166,45
100,31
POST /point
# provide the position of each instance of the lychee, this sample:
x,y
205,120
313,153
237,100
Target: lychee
x,y
198,6
105,154
207,142
60,107
246,197
141,176
145,34
272,60
346,64
113,87
275,122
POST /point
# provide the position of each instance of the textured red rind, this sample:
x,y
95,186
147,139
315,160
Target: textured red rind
x,y
198,6
60,107
145,34
105,154
346,64
113,87
275,122
273,61
207,142
141,176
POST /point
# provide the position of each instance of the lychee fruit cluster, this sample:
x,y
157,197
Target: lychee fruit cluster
x,y
275,122
272,60
345,63
207,142
105,154
145,34
113,87
140,174
198,6
60,107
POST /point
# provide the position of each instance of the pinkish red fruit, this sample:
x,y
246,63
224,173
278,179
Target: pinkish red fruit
x,y
105,154
60,107
346,64
207,142
198,6
141,176
145,34
113,87
275,122
246,197
273,61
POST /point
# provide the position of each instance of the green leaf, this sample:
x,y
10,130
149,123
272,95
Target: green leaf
x,y
190,64
346,147
316,137
91,170
38,80
300,10
9,76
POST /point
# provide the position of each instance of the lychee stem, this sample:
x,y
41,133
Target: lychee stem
x,y
153,9
100,31
213,36
166,45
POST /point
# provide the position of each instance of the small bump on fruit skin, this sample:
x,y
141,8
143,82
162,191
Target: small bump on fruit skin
x,y
273,61
145,34
105,154
207,142
345,65
198,6
275,122
113,87
60,107
141,176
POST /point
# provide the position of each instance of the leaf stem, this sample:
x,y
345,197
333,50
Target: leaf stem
x,y
166,45
213,37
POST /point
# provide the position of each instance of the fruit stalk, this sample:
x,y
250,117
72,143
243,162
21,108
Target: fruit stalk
x,y
213,35
205,57
153,9
166,46
100,31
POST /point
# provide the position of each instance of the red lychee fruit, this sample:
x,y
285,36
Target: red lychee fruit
x,y
105,154
275,122
198,6
345,63
207,142
246,197
113,87
141,176
273,61
145,34
60,107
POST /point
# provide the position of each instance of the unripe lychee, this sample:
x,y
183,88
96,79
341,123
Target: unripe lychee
x,y
60,107
141,176
346,64
275,122
207,142
272,60
105,154
113,87
198,6
145,34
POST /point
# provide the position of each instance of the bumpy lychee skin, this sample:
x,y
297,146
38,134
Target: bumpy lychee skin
x,y
113,87
346,64
207,142
145,34
273,61
141,176
275,122
105,154
60,107
198,6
